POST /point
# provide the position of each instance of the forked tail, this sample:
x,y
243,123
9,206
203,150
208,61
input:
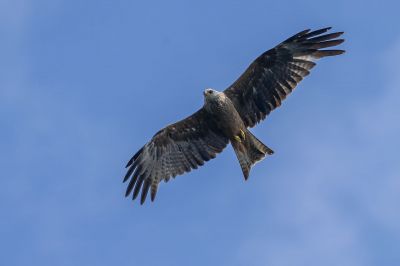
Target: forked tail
x,y
249,150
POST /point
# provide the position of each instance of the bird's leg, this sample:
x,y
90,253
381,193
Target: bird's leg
x,y
241,136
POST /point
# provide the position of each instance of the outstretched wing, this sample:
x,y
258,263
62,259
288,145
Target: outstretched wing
x,y
275,73
176,149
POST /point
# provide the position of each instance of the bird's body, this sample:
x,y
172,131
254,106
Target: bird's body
x,y
226,116
248,149
221,109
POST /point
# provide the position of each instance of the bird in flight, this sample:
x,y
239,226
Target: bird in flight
x,y
226,116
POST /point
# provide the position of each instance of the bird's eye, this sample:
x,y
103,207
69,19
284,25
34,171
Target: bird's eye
x,y
209,92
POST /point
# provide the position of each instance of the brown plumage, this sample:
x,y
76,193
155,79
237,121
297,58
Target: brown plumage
x,y
226,116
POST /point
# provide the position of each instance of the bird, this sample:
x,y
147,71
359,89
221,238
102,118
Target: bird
x,y
226,116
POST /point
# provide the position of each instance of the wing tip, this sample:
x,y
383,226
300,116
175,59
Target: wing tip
x,y
126,178
129,163
326,29
333,52
339,41
308,33
134,157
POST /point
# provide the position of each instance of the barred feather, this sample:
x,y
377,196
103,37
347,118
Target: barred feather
x,y
174,150
275,73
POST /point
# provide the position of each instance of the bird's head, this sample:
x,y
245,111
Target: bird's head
x,y
210,94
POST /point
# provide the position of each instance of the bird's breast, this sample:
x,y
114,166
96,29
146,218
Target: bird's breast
x,y
227,117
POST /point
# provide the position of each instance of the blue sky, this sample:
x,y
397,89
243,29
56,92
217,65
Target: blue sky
x,y
84,84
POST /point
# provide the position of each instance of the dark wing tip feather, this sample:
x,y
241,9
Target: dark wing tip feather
x,y
323,53
305,34
325,37
128,174
276,72
153,191
137,187
313,36
297,35
134,157
305,45
131,185
129,163
145,190
325,44
316,32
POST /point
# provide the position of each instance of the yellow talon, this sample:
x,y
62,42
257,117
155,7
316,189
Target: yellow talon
x,y
238,138
243,135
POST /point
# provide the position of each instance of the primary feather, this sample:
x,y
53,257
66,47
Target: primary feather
x,y
176,149
275,73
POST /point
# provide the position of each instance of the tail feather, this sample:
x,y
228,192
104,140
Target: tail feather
x,y
249,151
